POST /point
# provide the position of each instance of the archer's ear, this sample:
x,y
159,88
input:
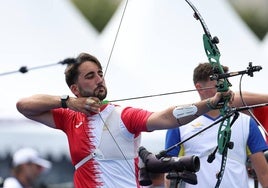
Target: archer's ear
x,y
198,86
74,89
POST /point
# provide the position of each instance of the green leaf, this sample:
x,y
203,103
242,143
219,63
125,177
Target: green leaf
x,y
97,12
254,14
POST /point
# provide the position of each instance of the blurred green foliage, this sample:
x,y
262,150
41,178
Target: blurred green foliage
x,y
97,12
257,25
254,14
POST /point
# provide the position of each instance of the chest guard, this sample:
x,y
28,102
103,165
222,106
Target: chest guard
x,y
116,141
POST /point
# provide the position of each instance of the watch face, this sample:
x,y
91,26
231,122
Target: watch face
x,y
64,97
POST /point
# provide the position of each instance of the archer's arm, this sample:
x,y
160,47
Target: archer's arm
x,y
166,120
260,166
250,98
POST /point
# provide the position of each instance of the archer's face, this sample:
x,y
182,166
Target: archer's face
x,y
207,93
90,81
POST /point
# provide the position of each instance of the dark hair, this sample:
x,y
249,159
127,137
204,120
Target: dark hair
x,y
203,71
71,71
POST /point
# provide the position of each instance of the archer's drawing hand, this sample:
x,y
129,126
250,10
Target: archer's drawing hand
x,y
85,105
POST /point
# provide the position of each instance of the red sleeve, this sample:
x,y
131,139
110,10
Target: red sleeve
x,y
135,119
262,116
63,118
58,117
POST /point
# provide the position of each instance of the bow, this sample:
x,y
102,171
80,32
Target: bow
x,y
213,55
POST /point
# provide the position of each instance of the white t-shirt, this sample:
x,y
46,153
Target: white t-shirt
x,y
12,182
246,137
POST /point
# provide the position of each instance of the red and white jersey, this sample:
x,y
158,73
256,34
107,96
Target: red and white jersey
x,y
111,139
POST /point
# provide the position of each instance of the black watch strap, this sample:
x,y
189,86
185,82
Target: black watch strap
x,y
64,99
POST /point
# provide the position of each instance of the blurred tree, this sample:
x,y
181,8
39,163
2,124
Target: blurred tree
x,y
97,12
254,14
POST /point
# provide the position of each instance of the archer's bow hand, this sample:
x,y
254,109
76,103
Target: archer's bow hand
x,y
220,99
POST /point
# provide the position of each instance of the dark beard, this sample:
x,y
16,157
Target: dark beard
x,y
100,95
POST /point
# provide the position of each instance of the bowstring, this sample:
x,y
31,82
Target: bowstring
x,y
116,143
116,36
249,110
108,64
132,98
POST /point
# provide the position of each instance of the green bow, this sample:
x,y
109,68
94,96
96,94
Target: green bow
x,y
213,55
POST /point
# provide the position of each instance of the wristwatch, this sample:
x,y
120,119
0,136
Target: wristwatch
x,y
64,99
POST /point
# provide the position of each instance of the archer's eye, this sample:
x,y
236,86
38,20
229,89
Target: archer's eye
x,y
89,75
100,73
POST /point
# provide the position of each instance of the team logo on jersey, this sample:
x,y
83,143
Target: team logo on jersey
x,y
79,124
197,125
